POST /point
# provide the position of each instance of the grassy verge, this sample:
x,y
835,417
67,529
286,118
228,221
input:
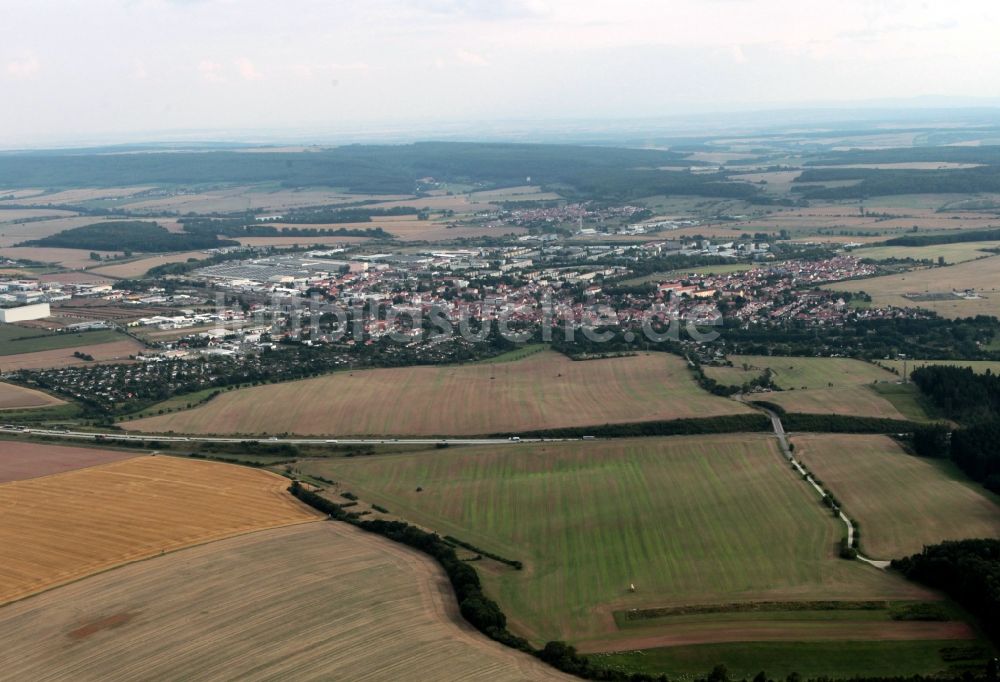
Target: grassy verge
x,y
18,340
907,399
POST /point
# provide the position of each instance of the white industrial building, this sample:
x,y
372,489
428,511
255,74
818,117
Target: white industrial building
x,y
25,313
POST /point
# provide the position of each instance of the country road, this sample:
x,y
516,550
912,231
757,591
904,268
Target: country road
x,y
779,433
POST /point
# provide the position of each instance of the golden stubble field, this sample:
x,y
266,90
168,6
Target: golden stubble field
x,y
982,276
313,601
62,527
139,267
544,390
901,502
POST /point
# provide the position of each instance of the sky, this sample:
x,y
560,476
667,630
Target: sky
x,y
119,70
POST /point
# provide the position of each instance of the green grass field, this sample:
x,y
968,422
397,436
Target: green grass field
x,y
907,399
809,659
688,520
856,401
177,402
15,340
800,373
901,502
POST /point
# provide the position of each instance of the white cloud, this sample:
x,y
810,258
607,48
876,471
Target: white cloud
x,y
27,67
139,70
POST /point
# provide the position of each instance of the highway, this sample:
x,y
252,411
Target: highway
x,y
124,436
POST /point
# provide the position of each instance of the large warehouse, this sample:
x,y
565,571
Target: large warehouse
x,y
26,312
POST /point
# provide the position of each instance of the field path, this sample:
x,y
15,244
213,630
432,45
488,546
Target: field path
x,y
779,433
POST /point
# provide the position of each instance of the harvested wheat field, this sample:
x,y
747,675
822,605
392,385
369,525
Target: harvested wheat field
x,y
901,502
923,288
20,460
313,601
544,390
18,398
138,268
62,527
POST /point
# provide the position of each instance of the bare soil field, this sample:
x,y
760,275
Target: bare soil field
x,y
72,259
20,460
70,525
902,502
18,397
544,390
138,268
982,276
313,601
63,357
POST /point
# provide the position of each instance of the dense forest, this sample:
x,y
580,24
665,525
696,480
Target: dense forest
x,y
974,400
985,154
968,571
881,182
930,337
600,172
130,235
959,392
953,237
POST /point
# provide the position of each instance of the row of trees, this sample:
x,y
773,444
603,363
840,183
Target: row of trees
x,y
967,570
972,399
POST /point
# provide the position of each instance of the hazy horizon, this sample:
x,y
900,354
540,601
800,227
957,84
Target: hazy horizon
x,y
128,70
